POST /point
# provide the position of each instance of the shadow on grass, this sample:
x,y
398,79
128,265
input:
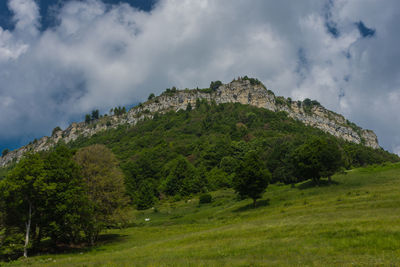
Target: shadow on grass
x,y
47,247
110,238
260,203
311,184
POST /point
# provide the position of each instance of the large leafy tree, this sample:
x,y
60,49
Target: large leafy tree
x,y
104,188
251,177
22,191
43,198
66,202
316,158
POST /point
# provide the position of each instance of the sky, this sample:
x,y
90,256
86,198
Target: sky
x,y
61,59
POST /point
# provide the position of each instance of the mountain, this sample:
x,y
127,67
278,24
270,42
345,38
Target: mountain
x,y
244,90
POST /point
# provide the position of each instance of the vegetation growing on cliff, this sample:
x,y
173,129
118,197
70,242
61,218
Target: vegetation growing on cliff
x,y
308,104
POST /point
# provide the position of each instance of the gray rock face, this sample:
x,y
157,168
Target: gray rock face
x,y
238,91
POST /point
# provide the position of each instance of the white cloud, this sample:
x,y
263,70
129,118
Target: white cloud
x,y
99,56
26,16
8,48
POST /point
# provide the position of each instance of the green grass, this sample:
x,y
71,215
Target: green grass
x,y
354,222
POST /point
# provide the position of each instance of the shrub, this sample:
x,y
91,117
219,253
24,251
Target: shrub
x,y
189,107
5,152
215,85
205,198
88,119
119,110
55,130
280,100
95,114
253,81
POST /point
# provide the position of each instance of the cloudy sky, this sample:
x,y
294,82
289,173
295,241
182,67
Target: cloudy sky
x,y
61,59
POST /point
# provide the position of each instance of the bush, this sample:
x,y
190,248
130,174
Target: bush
x,y
119,110
95,114
55,130
88,119
253,81
217,179
5,152
215,85
205,198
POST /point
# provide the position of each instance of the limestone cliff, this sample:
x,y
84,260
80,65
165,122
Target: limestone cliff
x,y
242,91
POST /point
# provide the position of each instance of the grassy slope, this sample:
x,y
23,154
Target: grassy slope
x,y
353,222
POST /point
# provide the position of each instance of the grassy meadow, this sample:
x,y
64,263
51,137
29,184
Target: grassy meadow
x,y
353,222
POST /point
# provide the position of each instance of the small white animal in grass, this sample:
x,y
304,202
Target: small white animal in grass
x,y
147,219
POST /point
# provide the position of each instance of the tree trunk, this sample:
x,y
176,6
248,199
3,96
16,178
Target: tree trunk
x,y
330,179
254,202
28,228
38,237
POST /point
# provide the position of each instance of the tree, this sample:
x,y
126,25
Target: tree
x,y
5,152
151,96
146,195
215,85
55,130
22,191
251,177
104,187
316,158
119,110
181,177
88,119
43,198
217,179
279,161
66,206
95,114
189,107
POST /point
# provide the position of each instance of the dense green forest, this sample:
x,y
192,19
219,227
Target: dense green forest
x,y
69,195
200,149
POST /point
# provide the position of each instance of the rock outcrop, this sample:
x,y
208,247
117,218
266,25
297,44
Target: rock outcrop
x,y
244,91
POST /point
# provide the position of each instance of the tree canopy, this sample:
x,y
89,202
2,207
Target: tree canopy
x,y
251,178
104,186
50,196
211,140
44,197
317,158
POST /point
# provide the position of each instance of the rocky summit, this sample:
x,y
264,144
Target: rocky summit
x,y
242,90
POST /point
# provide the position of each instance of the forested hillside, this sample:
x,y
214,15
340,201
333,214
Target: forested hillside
x,y
200,149
70,194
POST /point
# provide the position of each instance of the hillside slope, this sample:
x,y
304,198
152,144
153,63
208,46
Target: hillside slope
x,y
244,90
203,147
355,222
